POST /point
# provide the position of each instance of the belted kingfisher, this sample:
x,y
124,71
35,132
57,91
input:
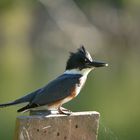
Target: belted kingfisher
x,y
62,89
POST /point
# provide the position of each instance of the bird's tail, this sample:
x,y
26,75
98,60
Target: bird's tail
x,y
18,101
8,104
24,99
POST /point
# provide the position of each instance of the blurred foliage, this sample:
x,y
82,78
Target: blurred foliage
x,y
114,3
35,38
5,4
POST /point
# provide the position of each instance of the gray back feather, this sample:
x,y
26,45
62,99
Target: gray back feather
x,y
57,89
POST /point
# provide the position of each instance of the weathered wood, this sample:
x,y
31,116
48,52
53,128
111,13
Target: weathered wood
x,y
78,126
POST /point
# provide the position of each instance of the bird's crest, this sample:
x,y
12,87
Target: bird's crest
x,y
81,50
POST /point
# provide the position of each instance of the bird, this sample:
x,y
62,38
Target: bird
x,y
62,89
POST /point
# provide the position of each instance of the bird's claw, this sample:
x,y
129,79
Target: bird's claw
x,y
64,111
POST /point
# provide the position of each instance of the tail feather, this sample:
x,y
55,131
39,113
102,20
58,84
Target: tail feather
x,y
27,107
23,108
8,104
24,99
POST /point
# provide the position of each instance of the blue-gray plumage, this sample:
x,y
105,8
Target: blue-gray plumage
x,y
58,89
64,88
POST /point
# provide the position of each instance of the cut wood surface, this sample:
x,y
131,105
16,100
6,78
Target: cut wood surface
x,y
77,126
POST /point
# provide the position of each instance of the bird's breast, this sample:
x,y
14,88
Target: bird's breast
x,y
81,83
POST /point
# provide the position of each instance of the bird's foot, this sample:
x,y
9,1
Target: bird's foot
x,y
64,111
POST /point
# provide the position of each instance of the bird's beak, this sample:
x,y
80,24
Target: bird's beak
x,y
98,64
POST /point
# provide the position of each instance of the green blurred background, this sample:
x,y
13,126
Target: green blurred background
x,y
35,39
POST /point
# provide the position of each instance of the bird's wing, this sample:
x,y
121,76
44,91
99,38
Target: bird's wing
x,y
56,90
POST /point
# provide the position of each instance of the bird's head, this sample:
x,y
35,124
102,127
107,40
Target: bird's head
x,y
82,62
